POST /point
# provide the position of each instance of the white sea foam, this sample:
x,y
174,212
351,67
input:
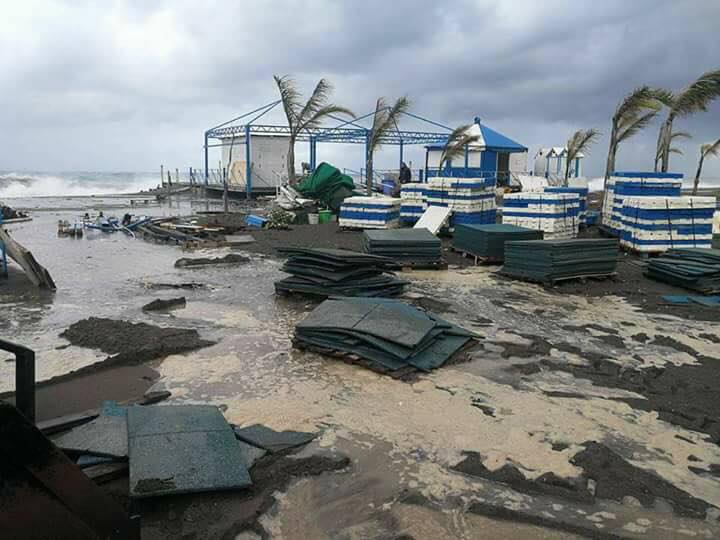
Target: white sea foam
x,y
21,185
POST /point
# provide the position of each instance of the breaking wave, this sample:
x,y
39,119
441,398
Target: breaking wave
x,y
21,185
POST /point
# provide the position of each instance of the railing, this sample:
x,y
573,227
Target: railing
x,y
24,377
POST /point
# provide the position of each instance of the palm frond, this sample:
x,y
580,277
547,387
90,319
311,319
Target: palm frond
x,y
675,150
698,95
711,149
456,143
317,100
324,112
290,97
641,98
680,135
385,119
581,141
631,125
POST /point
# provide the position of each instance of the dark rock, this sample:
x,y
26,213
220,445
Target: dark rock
x,y
132,343
231,258
161,305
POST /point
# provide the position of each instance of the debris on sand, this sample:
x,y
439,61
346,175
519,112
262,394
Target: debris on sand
x,y
164,305
606,475
35,272
188,285
388,335
231,258
132,343
338,272
273,441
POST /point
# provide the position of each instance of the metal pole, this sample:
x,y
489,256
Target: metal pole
x,y
162,176
177,176
248,168
401,153
206,158
24,378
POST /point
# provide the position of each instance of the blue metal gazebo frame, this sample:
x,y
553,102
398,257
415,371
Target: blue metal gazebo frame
x,y
348,132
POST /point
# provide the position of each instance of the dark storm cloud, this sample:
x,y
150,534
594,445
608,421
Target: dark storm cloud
x,y
128,85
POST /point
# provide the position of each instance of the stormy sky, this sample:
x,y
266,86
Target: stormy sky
x,y
128,85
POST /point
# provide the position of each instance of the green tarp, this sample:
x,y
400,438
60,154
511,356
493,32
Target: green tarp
x,y
328,185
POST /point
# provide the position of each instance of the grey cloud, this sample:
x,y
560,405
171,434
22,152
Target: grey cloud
x,y
129,86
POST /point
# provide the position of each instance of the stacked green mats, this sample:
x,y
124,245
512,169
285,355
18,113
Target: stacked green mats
x,y
693,268
406,246
331,272
489,240
552,260
385,335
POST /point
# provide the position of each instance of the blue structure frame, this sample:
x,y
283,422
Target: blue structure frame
x,y
348,132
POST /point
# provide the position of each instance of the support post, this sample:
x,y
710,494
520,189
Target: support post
x,y
401,154
177,176
467,156
206,158
162,176
24,377
248,167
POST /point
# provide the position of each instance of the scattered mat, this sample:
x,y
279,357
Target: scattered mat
x,y
270,440
230,258
405,246
389,335
337,272
550,260
105,436
183,449
695,269
489,240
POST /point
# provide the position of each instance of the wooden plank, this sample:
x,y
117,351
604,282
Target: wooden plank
x,y
37,273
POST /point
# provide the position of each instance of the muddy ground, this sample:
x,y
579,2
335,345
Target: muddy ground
x,y
585,411
629,283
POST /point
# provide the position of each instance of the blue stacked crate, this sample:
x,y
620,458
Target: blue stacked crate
x,y
370,213
471,200
581,192
556,214
656,224
637,185
412,202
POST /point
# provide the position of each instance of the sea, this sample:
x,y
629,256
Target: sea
x,y
21,185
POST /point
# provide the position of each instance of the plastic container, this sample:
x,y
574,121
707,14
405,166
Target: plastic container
x,y
324,216
313,219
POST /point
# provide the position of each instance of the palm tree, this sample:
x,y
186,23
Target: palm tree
x,y
673,149
632,115
385,119
581,141
695,98
711,149
301,117
457,141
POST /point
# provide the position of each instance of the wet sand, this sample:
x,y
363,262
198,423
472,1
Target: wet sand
x,y
404,440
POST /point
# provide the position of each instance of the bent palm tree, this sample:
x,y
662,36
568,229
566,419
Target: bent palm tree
x,y
673,149
581,141
712,149
457,141
384,120
301,117
695,98
632,115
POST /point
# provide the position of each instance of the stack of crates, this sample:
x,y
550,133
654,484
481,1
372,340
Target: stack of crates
x,y
656,224
370,213
556,214
471,200
412,202
579,187
636,185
